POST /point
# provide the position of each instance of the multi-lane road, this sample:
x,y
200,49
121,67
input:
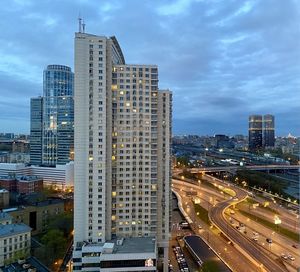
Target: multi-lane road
x,y
264,259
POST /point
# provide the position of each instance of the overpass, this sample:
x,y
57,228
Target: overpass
x,y
233,168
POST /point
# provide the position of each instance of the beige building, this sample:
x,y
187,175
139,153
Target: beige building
x,y
37,216
122,148
15,242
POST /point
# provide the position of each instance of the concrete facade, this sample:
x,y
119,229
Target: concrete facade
x,y
122,147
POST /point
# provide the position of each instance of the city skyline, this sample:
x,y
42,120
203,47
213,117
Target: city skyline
x,y
248,62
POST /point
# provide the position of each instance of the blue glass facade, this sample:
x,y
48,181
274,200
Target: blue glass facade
x,y
36,130
58,115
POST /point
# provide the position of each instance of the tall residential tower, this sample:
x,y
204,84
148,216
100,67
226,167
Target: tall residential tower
x,y
122,160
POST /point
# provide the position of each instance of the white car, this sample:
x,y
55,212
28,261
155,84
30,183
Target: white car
x,y
284,256
291,257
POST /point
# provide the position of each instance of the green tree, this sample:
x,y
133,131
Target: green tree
x,y
55,242
63,222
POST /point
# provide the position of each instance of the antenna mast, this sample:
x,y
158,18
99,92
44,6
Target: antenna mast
x,y
79,24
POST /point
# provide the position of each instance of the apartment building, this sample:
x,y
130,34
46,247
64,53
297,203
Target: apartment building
x,y
122,152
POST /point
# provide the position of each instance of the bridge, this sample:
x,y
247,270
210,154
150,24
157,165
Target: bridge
x,y
233,168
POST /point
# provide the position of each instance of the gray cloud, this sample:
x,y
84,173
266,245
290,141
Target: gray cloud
x,y
223,60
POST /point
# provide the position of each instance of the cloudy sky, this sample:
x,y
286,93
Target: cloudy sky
x,y
223,59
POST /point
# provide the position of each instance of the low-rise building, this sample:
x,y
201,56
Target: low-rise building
x,y
22,184
37,215
14,242
126,254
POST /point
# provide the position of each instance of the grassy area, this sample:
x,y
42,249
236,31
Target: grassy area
x,y
210,266
286,232
202,213
230,192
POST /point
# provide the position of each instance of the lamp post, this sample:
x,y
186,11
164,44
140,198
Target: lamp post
x,y
277,221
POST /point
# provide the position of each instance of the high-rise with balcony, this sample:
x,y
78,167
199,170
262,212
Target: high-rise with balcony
x,y
52,140
122,160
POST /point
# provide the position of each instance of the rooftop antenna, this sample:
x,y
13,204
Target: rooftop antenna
x,y
83,26
79,24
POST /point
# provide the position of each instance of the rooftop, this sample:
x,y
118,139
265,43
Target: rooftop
x,y
15,267
129,245
19,178
4,216
12,229
135,245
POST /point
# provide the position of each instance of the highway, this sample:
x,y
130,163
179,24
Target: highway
x,y
261,257
216,215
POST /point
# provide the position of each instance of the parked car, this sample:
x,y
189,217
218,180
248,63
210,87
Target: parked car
x,y
291,257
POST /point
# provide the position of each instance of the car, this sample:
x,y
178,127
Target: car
x,y
255,238
269,240
26,265
284,256
255,233
295,246
291,257
199,227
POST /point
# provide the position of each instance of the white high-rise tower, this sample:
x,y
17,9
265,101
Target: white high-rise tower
x,y
122,160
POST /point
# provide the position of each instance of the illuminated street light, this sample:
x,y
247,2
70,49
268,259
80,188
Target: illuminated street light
x,y
277,220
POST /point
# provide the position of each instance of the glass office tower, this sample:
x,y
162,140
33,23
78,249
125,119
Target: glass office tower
x,y
255,132
269,130
36,130
58,115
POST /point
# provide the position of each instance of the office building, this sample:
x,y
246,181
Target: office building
x,y
255,132
261,131
122,156
36,130
61,176
269,130
52,119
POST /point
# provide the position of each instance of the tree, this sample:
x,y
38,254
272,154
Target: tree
x,y
55,242
63,222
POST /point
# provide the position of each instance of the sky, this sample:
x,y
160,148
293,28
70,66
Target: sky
x,y
222,59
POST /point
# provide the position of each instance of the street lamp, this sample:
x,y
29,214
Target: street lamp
x,y
277,221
